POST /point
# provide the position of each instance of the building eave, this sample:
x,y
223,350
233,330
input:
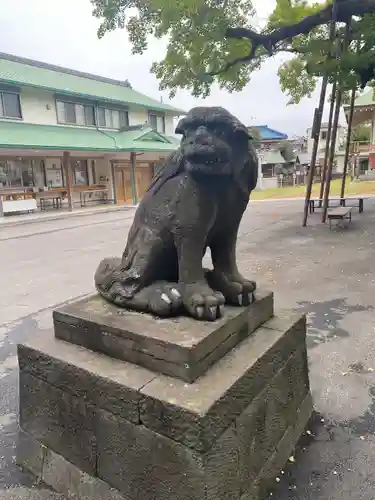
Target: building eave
x,y
166,109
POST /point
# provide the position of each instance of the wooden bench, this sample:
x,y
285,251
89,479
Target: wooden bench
x,y
56,199
341,202
360,200
339,213
91,193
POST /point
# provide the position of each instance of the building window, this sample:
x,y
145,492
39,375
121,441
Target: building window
x,y
112,118
17,174
10,105
80,173
157,121
75,114
54,174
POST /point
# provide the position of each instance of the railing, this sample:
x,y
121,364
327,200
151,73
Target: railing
x,y
363,147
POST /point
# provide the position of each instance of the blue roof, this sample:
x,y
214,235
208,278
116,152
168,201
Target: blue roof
x,y
269,134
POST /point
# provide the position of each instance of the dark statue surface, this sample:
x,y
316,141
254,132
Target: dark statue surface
x,y
196,201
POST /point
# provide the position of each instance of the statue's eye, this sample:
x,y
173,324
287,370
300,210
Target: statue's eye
x,y
220,132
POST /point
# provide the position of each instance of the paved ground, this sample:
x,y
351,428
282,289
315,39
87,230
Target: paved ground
x,y
329,275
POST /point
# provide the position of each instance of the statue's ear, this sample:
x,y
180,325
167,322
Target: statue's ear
x,y
246,174
240,129
181,125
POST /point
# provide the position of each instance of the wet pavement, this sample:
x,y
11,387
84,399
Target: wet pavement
x,y
329,275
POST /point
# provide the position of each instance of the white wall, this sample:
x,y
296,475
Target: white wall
x,y
169,125
269,183
140,117
340,164
39,107
322,142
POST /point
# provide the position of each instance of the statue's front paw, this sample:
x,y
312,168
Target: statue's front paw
x,y
237,290
201,302
164,299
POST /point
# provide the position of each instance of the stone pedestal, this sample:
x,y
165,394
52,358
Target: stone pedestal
x,y
129,407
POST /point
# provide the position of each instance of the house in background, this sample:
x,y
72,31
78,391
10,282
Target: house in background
x,y
339,150
76,135
364,113
266,137
268,144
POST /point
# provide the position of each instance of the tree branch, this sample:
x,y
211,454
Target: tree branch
x,y
346,9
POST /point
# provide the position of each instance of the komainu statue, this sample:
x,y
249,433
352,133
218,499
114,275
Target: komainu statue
x,y
196,201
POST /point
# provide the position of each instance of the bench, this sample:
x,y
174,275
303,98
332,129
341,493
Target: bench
x,y
55,198
92,193
342,202
339,213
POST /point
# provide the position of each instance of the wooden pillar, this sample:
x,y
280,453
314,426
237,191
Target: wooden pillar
x,y
133,157
69,178
348,142
334,128
328,141
113,182
318,119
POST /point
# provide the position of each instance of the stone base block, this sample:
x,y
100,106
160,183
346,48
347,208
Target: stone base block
x,y
89,421
180,347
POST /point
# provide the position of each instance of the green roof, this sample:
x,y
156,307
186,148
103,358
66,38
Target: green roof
x,y
366,99
29,73
14,135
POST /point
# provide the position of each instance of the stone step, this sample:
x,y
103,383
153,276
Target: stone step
x,y
98,427
182,347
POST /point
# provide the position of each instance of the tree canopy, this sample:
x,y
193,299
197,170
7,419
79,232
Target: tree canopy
x,y
216,41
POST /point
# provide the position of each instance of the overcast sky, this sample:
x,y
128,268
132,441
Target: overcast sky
x,y
63,32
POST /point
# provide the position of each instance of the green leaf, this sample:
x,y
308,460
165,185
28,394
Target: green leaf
x,y
195,30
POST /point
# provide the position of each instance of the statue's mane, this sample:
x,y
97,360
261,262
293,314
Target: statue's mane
x,y
172,166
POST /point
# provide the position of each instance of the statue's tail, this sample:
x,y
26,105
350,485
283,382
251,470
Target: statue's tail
x,y
105,276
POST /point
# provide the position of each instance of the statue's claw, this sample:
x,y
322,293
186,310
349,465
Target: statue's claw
x,y
201,302
237,290
164,300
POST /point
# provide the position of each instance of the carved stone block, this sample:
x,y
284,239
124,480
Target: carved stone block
x,y
182,348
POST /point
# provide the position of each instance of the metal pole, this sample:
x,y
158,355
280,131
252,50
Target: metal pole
x,y
334,131
318,121
348,139
329,133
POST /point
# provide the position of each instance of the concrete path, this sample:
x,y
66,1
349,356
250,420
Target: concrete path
x,y
330,275
54,215
22,493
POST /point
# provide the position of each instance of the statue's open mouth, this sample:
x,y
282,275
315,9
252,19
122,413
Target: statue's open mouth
x,y
200,159
206,159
